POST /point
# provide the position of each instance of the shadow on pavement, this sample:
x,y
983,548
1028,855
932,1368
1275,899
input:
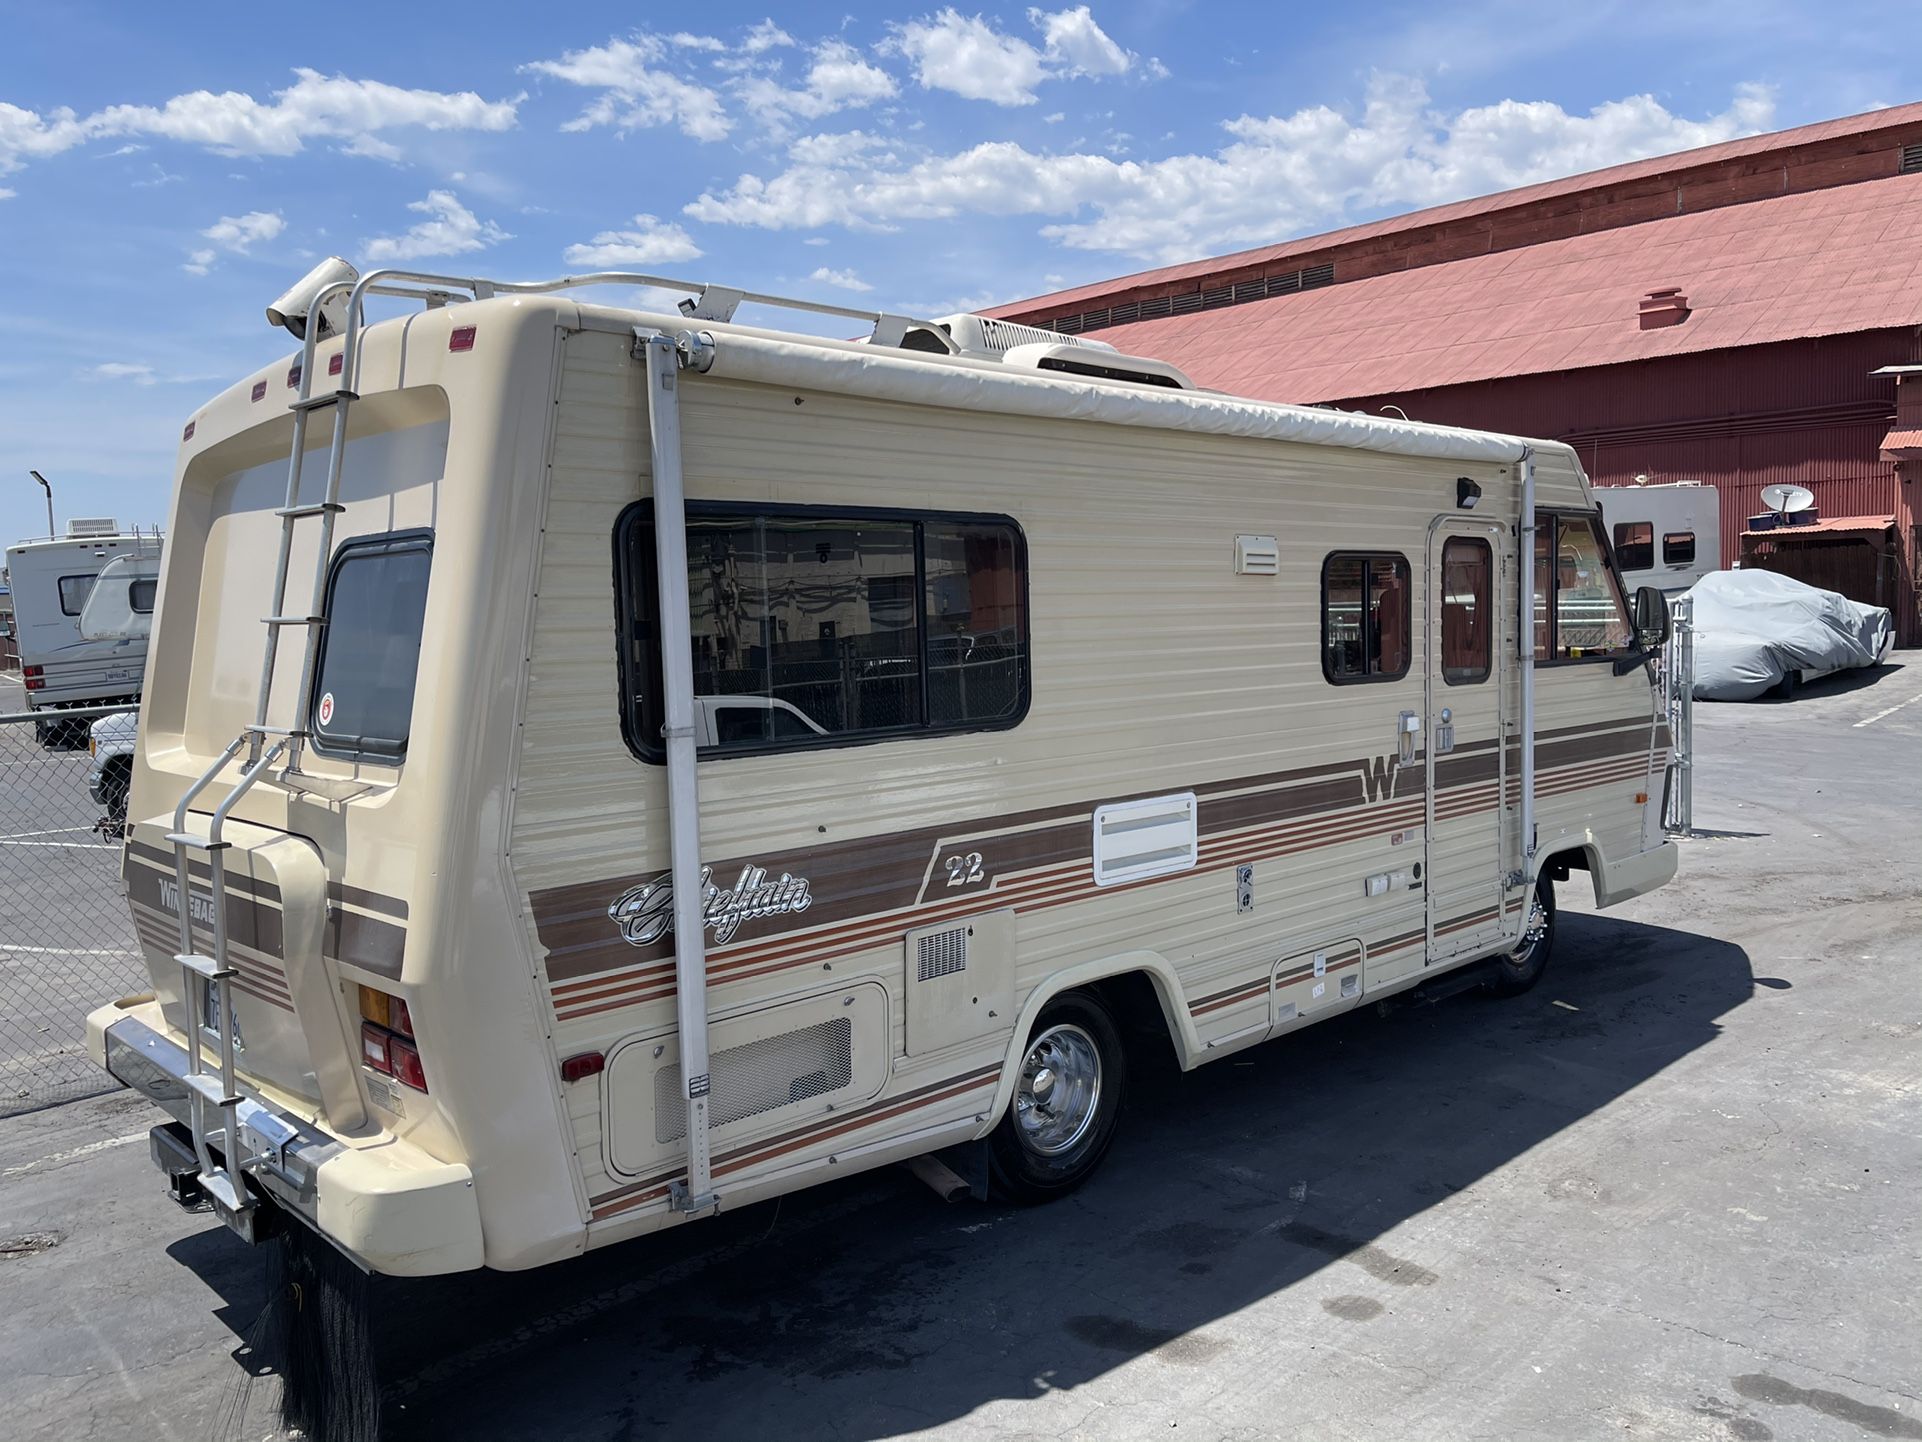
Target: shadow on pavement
x,y
868,1308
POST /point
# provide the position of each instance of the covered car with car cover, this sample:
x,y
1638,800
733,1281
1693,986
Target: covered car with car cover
x,y
1756,632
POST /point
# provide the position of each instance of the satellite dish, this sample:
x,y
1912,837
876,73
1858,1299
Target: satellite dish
x,y
1785,500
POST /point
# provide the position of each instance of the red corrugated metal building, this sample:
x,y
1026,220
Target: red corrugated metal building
x,y
1741,314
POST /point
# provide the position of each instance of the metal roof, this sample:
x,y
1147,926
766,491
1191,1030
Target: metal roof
x,y
1833,525
1635,170
1825,262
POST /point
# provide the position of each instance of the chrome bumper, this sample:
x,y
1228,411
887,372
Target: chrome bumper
x,y
280,1153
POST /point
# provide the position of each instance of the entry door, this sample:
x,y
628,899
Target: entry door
x,y
1468,625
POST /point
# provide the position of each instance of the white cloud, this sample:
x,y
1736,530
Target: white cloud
x,y
681,40
648,243
450,229
635,93
837,79
139,374
6,194
840,279
238,232
1276,176
1078,46
314,107
198,262
766,36
968,56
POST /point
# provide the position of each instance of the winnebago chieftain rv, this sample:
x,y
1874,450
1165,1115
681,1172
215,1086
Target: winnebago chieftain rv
x,y
683,762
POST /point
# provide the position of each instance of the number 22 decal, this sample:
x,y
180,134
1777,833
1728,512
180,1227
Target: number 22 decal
x,y
965,870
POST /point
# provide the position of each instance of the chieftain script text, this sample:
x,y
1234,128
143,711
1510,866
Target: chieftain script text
x,y
645,913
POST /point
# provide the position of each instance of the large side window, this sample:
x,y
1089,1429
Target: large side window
x,y
1579,611
74,591
1365,613
363,699
1635,545
819,627
1467,610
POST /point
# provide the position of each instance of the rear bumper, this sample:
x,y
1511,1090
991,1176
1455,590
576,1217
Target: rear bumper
x,y
380,1199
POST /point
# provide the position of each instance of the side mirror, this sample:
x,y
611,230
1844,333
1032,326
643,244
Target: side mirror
x,y
1652,623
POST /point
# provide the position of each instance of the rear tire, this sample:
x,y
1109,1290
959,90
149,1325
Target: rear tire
x,y
1784,689
1067,1101
114,784
1516,972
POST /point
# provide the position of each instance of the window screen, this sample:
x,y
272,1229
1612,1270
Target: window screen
x,y
1467,610
363,697
813,626
74,591
140,595
1578,593
1678,548
1364,617
1635,545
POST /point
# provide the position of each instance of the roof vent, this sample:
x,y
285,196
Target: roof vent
x,y
1911,163
1663,307
93,526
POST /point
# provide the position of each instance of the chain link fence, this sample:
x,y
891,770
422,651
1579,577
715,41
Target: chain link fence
x,y
66,941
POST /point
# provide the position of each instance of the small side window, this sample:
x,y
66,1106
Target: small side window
x,y
1365,613
140,595
1468,611
362,705
1635,545
1678,548
74,591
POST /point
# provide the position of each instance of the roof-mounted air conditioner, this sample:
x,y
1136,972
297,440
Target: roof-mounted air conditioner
x,y
80,526
1106,364
989,339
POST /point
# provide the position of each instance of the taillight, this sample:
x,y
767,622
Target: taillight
x,y
35,676
374,1042
405,1059
461,337
335,361
387,1038
580,1068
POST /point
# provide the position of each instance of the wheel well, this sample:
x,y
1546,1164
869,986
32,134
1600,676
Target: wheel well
x,y
1143,1022
1558,866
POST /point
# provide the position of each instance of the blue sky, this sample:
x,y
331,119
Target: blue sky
x,y
163,177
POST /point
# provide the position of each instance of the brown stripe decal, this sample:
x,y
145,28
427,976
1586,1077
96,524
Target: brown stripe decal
x,y
265,890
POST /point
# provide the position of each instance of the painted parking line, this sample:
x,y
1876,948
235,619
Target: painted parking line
x,y
1871,720
55,831
73,1154
8,948
62,845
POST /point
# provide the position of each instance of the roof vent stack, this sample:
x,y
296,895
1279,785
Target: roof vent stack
x,y
1663,307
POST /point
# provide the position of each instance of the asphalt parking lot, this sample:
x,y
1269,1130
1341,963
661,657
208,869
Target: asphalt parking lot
x,y
1669,1194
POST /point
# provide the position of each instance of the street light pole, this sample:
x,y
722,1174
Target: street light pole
x,y
45,486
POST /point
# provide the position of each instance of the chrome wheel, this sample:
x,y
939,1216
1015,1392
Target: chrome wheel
x,y
1059,1092
1532,932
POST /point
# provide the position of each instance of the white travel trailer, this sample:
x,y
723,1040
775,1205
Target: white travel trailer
x,y
1099,697
53,580
1667,536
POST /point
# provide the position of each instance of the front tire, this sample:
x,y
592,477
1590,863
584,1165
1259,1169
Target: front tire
x,y
1067,1101
1516,972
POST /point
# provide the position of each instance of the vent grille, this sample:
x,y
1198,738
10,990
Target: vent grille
x,y
941,954
1310,277
759,1076
1911,159
1257,556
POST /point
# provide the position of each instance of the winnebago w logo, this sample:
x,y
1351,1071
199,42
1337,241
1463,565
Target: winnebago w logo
x,y
1378,777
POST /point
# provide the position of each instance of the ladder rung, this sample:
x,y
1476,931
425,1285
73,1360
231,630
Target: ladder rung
x,y
203,965
314,403
318,508
208,1085
275,731
292,620
196,843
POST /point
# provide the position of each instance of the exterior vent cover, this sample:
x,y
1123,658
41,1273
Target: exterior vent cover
x,y
1911,159
1134,840
941,953
1257,556
760,1075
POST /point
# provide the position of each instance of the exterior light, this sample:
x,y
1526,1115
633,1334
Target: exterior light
x,y
1466,494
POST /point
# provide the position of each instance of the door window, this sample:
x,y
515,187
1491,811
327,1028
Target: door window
x,y
1467,610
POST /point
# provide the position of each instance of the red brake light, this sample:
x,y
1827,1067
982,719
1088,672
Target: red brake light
x,y
33,671
375,1049
405,1057
461,338
580,1068
398,1016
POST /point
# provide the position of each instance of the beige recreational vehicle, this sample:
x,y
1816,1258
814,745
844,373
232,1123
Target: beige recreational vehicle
x,y
601,765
